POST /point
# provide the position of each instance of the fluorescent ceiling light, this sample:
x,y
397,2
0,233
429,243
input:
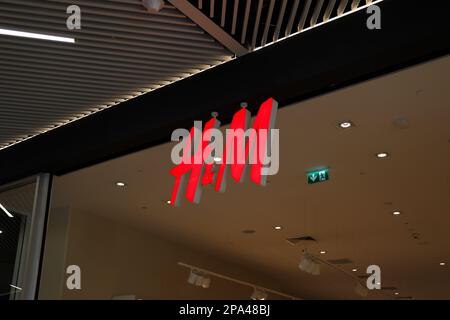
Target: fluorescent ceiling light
x,y
15,287
14,33
6,211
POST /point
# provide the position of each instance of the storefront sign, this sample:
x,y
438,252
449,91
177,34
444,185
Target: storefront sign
x,y
202,158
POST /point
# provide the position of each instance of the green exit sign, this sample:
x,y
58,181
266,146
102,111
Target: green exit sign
x,y
318,176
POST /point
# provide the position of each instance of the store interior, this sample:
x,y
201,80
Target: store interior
x,y
386,203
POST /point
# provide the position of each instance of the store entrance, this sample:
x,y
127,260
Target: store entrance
x,y
363,185
23,207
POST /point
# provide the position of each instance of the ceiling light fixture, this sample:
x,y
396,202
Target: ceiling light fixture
x,y
354,270
6,211
309,265
153,6
345,124
323,252
278,228
200,280
15,287
442,263
15,33
1,231
396,213
382,155
121,184
397,293
259,294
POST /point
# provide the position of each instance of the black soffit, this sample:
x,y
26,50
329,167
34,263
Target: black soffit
x,y
331,56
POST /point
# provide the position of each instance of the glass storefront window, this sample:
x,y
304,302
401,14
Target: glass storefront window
x,y
22,219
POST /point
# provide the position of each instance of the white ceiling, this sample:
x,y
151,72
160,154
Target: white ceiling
x,y
120,52
350,215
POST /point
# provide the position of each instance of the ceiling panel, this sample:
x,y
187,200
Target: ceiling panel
x,y
256,23
120,52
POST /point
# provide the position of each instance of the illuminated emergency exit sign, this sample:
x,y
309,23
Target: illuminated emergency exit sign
x,y
317,176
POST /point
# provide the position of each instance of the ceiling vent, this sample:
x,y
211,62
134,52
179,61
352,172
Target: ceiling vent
x,y
340,261
295,241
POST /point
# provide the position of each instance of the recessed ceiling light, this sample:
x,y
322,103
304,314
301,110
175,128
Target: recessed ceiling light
x,y
354,270
396,213
345,124
323,252
15,33
442,263
1,231
382,155
121,184
396,293
278,228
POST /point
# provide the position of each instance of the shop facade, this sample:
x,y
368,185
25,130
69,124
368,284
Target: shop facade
x,y
88,207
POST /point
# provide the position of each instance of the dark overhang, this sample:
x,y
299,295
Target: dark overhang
x,y
331,56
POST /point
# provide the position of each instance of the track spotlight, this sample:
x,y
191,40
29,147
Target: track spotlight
x,y
153,5
206,282
202,277
192,277
199,280
309,264
361,290
259,294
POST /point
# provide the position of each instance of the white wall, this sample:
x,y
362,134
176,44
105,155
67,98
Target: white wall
x,y
116,259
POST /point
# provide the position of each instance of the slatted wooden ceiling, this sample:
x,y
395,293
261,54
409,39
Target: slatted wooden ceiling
x,y
120,52
255,23
123,51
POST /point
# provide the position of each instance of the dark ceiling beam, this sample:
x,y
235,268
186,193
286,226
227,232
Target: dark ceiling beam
x,y
209,26
331,56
